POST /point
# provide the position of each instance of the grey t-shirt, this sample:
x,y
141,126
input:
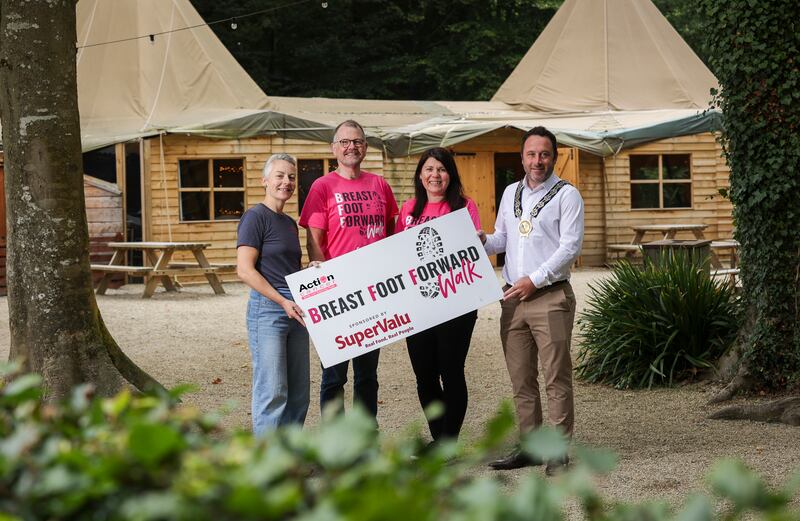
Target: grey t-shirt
x,y
275,237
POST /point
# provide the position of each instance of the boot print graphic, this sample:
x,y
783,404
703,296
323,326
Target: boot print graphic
x,y
429,248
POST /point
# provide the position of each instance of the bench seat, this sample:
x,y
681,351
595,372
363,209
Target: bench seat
x,y
727,271
624,247
122,269
218,266
724,244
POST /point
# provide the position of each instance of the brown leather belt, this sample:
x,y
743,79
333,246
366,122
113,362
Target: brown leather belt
x,y
554,285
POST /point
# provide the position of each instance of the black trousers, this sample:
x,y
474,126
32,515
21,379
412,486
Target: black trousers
x,y
365,383
437,356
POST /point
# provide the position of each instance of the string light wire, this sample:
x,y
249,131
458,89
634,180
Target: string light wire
x,y
206,24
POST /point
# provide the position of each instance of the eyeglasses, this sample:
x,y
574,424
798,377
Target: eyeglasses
x,y
344,143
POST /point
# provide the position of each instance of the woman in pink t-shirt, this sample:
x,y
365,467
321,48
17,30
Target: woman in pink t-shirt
x,y
438,354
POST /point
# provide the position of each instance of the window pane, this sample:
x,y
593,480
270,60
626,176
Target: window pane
x,y
101,164
195,206
228,205
644,167
677,195
676,166
194,173
644,196
308,171
333,164
229,173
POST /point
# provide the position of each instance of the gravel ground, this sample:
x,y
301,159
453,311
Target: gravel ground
x,y
665,444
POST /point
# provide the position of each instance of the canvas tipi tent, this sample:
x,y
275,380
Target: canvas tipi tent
x,y
608,55
131,84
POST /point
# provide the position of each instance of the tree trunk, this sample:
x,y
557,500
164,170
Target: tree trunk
x,y
56,328
785,410
761,143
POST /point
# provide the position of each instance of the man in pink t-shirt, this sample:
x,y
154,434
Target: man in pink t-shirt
x,y
345,210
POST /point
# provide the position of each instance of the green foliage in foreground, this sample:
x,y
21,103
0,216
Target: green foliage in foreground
x,y
148,458
655,325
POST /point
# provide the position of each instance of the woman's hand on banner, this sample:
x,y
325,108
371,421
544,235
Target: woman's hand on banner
x,y
293,311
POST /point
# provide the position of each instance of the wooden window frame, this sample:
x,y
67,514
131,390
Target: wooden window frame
x,y
211,189
326,169
661,181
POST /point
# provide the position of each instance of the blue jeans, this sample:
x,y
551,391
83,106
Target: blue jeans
x,y
365,384
279,348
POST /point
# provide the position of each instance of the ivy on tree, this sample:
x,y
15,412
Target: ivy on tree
x,y
754,50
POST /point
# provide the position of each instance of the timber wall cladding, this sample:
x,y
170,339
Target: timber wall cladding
x,y
709,175
399,173
591,187
104,216
164,219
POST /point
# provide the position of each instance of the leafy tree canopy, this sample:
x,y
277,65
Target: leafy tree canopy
x,y
393,49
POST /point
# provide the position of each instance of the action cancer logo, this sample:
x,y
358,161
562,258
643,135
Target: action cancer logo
x,y
317,286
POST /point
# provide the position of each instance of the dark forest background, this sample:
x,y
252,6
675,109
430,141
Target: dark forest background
x,y
395,49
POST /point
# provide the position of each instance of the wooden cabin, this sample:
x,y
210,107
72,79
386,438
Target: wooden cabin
x,y
487,164
104,213
205,185
198,188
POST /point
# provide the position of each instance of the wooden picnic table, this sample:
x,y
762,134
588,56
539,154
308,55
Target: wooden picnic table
x,y
162,269
669,231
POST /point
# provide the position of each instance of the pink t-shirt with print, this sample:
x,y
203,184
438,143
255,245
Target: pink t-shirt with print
x,y
353,212
432,211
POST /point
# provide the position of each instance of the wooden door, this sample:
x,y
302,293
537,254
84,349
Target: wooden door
x,y
567,165
477,175
568,169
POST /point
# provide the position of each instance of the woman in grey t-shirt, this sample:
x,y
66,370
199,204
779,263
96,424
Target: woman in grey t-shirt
x,y
268,249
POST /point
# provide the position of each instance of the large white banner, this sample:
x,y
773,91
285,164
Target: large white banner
x,y
396,287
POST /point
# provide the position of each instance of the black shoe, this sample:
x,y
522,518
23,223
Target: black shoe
x,y
557,466
515,460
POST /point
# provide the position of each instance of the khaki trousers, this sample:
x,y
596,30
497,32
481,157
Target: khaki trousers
x,y
540,329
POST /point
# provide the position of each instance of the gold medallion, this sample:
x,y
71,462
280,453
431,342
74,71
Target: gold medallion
x,y
525,227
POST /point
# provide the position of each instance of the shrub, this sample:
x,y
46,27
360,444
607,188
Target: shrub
x,y
148,458
655,325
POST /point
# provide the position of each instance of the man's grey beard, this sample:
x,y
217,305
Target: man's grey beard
x,y
547,176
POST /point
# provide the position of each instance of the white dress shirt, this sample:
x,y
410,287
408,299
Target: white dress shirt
x,y
555,241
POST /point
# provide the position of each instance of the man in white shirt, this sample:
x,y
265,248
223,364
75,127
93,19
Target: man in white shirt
x,y
540,229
